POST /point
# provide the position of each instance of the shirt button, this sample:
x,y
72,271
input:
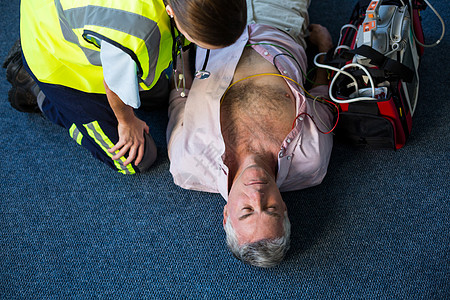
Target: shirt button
x,y
288,140
285,72
266,53
288,158
280,154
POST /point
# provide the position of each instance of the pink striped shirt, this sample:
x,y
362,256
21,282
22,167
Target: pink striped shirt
x,y
195,143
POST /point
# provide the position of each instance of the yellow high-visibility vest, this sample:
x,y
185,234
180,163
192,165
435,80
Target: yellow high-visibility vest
x,y
61,38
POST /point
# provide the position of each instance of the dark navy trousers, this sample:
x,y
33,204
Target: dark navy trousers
x,y
89,119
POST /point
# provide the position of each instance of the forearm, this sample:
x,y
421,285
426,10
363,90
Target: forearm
x,y
124,113
130,129
321,77
320,37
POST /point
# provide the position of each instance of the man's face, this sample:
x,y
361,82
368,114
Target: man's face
x,y
255,206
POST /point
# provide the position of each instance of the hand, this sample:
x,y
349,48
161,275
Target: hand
x,y
131,130
131,140
320,37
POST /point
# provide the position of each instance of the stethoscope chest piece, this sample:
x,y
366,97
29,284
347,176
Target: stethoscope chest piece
x,y
202,74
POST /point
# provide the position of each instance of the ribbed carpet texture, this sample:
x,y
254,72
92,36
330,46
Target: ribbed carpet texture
x,y
377,228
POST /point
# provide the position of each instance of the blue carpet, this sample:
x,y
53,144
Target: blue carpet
x,y
377,228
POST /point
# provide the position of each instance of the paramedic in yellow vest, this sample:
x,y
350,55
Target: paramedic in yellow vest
x,y
94,62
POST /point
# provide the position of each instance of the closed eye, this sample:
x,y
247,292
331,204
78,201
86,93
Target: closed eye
x,y
272,214
270,211
243,217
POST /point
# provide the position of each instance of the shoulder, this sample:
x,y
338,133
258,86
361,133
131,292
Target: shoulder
x,y
195,172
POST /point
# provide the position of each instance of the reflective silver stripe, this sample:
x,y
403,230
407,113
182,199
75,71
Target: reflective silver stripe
x,y
77,135
130,23
92,55
100,140
40,99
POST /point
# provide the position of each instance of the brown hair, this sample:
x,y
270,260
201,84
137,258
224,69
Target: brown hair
x,y
214,22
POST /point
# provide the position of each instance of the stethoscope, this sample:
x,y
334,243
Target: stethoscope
x,y
177,47
203,73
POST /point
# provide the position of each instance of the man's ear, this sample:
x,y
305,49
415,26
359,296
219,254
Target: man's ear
x,y
169,11
225,215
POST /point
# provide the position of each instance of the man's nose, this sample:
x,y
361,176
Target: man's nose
x,y
257,197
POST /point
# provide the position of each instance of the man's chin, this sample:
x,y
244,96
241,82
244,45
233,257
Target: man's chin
x,y
254,174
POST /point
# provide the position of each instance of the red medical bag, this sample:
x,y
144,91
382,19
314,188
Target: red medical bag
x,y
375,78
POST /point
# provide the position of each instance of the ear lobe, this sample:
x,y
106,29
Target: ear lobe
x,y
169,11
225,215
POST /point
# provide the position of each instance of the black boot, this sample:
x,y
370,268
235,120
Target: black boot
x,y
23,94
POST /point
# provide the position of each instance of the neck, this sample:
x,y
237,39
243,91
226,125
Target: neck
x,y
242,160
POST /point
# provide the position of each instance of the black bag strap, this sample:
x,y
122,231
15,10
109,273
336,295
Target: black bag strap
x,y
383,62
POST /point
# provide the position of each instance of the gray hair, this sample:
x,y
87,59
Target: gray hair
x,y
265,253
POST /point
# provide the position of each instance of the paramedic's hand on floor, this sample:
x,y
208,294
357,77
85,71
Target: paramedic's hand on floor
x,y
131,130
131,138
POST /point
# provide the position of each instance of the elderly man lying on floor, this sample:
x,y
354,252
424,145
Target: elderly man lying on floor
x,y
249,130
